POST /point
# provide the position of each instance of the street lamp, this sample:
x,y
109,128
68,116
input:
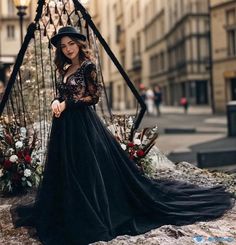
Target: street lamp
x,y
21,6
84,2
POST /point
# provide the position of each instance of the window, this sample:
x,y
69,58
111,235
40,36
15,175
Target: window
x,y
132,14
231,17
118,33
10,7
122,58
162,61
231,31
138,44
155,65
10,31
138,8
133,48
115,10
232,42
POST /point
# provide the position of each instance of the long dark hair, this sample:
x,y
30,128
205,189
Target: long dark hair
x,y
61,60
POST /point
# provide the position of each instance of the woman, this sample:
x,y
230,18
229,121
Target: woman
x,y
91,190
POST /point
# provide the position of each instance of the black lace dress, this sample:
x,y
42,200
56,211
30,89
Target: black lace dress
x,y
92,191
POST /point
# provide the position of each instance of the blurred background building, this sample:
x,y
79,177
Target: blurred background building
x,y
10,34
185,46
223,19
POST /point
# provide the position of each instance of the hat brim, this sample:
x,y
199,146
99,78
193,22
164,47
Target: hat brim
x,y
54,40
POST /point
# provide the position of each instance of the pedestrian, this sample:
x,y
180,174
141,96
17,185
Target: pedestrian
x,y
184,103
157,99
143,92
150,101
91,191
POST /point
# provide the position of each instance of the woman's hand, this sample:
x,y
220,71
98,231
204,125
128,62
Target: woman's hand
x,y
56,109
62,107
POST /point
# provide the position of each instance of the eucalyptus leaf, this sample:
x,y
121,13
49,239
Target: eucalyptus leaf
x,y
29,183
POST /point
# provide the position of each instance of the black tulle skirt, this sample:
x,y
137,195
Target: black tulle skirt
x,y
92,191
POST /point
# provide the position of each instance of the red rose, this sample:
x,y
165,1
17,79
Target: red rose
x,y
7,164
130,144
140,153
28,158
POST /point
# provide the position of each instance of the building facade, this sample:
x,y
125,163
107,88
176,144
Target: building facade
x,y
10,33
163,43
120,23
223,23
177,49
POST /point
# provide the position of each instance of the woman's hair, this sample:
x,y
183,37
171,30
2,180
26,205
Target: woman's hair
x,y
61,60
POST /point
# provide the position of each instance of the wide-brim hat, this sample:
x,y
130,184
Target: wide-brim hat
x,y
67,31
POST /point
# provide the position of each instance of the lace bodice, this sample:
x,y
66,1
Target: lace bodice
x,y
81,87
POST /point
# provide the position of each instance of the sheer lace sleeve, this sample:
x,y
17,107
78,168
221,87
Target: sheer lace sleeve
x,y
93,88
57,97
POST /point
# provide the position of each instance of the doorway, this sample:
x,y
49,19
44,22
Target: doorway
x,y
233,89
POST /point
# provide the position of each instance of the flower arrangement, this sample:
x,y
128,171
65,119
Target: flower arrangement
x,y
20,166
142,142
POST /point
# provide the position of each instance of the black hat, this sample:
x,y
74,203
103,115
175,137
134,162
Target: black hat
x,y
67,31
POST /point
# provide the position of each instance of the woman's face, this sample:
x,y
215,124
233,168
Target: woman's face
x,y
69,48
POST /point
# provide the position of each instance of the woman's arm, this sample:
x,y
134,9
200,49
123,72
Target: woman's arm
x,y
56,103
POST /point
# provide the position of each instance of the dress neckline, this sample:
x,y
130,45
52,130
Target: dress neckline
x,y
72,73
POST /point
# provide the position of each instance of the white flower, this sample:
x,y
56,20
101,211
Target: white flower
x,y
123,146
137,141
10,151
18,144
13,158
27,172
23,131
1,172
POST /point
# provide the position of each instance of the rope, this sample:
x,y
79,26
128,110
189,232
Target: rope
x,y
43,84
38,92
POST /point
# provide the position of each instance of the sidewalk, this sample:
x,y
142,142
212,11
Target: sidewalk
x,y
193,110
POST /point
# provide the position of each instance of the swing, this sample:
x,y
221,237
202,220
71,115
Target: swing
x,y
31,85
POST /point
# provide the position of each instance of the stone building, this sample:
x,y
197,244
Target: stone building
x,y
10,32
120,23
164,43
223,23
177,49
